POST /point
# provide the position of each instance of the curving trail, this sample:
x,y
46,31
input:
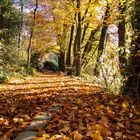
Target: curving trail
x,y
76,110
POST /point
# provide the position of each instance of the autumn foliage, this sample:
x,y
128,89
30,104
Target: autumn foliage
x,y
86,111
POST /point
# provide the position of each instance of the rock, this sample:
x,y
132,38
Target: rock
x,y
54,109
42,117
26,135
35,124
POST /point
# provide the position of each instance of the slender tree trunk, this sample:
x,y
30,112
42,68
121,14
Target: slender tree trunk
x,y
62,63
78,53
1,35
75,48
29,50
86,11
121,35
89,59
102,40
84,32
68,60
88,46
85,26
20,26
31,36
1,24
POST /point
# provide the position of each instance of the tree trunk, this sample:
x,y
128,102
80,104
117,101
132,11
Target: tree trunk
x,y
62,63
121,35
78,52
86,11
102,40
89,59
86,26
84,32
1,24
75,48
88,46
31,36
68,60
132,84
20,26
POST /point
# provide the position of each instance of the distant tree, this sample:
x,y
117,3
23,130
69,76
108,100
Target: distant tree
x,y
20,26
31,34
9,21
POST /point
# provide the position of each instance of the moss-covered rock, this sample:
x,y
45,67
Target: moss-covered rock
x,y
51,65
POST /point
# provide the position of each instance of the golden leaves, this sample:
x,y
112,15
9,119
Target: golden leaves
x,y
118,134
86,112
137,121
95,135
77,136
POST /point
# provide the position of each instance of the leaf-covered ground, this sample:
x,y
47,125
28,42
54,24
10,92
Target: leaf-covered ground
x,y
87,112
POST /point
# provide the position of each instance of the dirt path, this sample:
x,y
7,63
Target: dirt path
x,y
86,112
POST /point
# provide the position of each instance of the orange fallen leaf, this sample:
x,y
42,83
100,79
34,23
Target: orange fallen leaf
x,y
118,134
4,121
9,133
95,135
41,131
77,136
56,137
4,139
65,129
18,120
98,127
46,136
137,121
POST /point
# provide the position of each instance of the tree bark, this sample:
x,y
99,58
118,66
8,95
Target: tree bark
x,y
88,46
86,11
84,32
1,23
78,52
132,84
31,36
20,26
121,35
75,48
62,63
68,60
85,26
102,40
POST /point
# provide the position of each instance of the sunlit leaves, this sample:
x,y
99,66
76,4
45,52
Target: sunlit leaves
x,y
85,110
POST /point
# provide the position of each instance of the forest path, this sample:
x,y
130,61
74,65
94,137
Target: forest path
x,y
69,108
